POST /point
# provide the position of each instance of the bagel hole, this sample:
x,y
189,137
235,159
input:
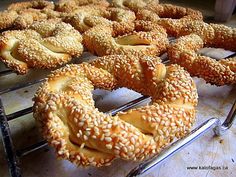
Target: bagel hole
x,y
87,23
216,53
131,40
106,100
39,7
172,15
14,53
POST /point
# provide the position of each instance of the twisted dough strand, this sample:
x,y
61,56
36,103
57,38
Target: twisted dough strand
x,y
171,17
46,45
216,72
80,133
146,38
7,18
71,5
215,35
38,4
87,17
134,5
22,14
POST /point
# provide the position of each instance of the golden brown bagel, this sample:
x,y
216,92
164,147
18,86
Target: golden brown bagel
x,y
145,39
27,17
215,35
71,5
169,16
83,19
22,14
221,72
46,45
80,133
134,5
7,19
202,29
38,4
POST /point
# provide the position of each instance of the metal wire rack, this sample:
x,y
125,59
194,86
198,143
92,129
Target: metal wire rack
x,y
13,156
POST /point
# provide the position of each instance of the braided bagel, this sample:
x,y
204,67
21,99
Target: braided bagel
x,y
27,17
134,5
120,19
80,133
7,19
71,5
79,17
221,72
147,39
169,16
202,29
39,4
46,45
21,15
214,35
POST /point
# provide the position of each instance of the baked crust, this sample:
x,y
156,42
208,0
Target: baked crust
x,y
47,44
171,17
71,5
80,133
145,38
133,5
184,53
90,16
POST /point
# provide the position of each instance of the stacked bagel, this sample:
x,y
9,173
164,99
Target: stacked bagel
x,y
128,37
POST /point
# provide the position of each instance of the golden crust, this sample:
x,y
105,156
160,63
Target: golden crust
x,y
215,72
134,5
171,17
46,45
21,15
215,35
202,29
84,19
145,39
7,19
71,5
79,17
27,17
80,133
38,4
224,36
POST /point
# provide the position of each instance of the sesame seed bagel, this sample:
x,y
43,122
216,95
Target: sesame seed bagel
x,y
215,35
7,19
202,29
27,17
120,19
183,52
38,4
69,121
47,44
21,15
134,5
145,39
79,17
71,5
169,16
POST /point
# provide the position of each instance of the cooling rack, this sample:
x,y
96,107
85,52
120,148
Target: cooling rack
x,y
13,155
